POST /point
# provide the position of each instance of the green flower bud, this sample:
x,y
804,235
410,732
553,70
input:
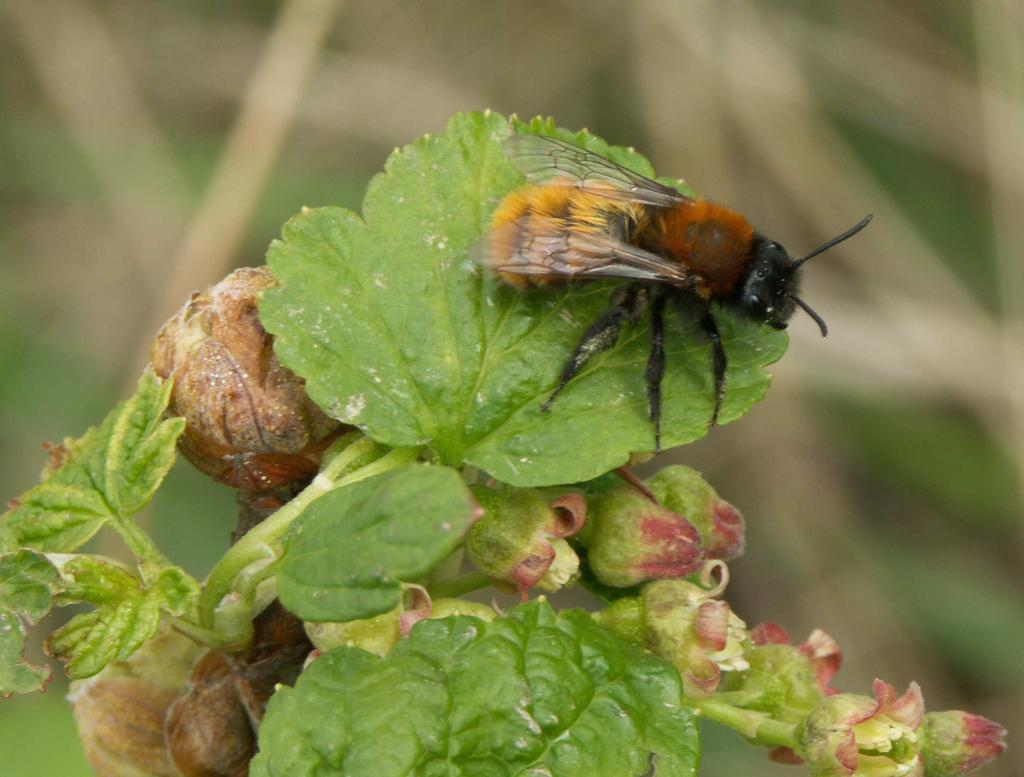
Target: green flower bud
x,y
682,490
955,742
700,635
849,735
375,635
631,539
444,608
379,633
520,539
625,618
785,681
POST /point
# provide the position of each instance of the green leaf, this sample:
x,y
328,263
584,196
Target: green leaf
x,y
127,614
530,693
348,554
397,331
27,585
108,474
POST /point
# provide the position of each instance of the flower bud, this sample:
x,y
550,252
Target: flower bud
x,y
444,608
700,635
625,618
520,539
250,424
785,681
374,635
631,539
849,735
955,742
120,712
682,490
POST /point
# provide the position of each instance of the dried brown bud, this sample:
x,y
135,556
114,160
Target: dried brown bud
x,y
120,712
208,730
251,424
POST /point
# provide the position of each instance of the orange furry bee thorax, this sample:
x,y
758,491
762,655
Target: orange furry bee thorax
x,y
713,241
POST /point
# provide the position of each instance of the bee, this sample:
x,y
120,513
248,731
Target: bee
x,y
581,216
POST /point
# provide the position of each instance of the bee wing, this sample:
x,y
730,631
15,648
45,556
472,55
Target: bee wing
x,y
510,249
546,160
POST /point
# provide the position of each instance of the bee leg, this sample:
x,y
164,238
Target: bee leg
x,y
628,304
718,360
656,367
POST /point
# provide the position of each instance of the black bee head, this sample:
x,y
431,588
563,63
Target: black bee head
x,y
769,291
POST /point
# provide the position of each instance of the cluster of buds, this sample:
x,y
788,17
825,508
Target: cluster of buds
x,y
520,541
250,423
685,624
665,529
850,735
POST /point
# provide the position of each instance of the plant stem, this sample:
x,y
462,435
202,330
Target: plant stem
x,y
261,546
151,560
457,586
755,725
195,633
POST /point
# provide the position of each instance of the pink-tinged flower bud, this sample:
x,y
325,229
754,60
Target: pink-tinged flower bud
x,y
631,539
250,423
377,634
849,735
520,539
700,635
682,490
820,653
955,742
374,635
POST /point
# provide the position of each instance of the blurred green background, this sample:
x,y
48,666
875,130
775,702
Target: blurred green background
x,y
147,147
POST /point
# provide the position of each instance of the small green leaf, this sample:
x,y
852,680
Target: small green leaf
x,y
27,585
530,693
108,474
397,331
127,613
349,552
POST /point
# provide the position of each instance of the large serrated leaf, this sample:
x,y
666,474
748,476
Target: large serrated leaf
x,y
530,693
110,473
28,582
395,330
348,553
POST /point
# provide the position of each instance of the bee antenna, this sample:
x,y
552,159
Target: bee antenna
x,y
835,241
812,313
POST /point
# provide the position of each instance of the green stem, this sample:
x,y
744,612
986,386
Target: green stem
x,y
195,633
457,586
261,546
755,725
151,560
